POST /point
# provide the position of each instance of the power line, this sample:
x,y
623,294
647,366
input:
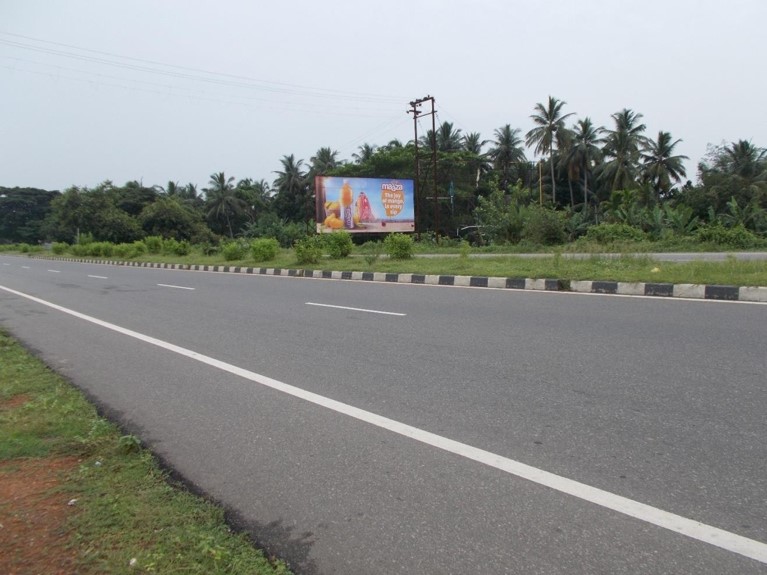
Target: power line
x,y
97,79
188,73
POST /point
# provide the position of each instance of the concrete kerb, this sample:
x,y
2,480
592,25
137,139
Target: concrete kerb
x,y
687,291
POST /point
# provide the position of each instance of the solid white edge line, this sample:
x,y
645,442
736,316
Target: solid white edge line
x,y
176,287
356,309
726,540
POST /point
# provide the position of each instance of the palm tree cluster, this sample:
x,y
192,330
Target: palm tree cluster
x,y
574,166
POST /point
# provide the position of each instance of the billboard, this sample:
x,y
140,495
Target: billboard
x,y
364,205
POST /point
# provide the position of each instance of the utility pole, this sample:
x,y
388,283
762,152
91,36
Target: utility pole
x,y
415,106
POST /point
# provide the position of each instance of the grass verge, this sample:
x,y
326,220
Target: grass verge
x,y
627,267
125,514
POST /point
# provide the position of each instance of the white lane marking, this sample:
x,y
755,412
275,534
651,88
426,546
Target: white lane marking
x,y
5,264
356,309
99,277
55,271
176,287
694,529
26,267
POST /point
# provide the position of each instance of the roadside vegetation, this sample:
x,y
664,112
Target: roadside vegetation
x,y
618,261
91,498
589,188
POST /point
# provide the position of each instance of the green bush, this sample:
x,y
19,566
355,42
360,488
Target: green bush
x,y
124,251
611,233
182,248
399,246
264,249
85,238
544,227
100,249
59,248
735,237
338,244
269,225
172,247
139,248
154,244
208,249
79,250
308,250
372,251
233,251
129,251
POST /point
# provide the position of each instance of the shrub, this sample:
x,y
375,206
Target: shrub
x,y
338,244
124,251
264,249
233,251
154,244
182,248
374,250
100,249
308,250
59,248
208,249
544,226
399,246
611,233
172,247
735,237
269,225
79,250
139,247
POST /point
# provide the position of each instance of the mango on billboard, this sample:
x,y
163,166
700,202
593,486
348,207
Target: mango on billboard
x,y
364,205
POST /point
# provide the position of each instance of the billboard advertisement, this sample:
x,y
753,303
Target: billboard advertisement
x,y
364,205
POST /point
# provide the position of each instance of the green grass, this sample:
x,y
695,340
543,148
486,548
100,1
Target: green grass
x,y
632,265
127,508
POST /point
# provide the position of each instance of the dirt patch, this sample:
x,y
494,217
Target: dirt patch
x,y
15,401
33,517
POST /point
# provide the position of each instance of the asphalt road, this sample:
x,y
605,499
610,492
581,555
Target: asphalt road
x,y
444,397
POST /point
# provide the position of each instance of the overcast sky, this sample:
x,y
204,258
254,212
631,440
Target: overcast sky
x,y
179,89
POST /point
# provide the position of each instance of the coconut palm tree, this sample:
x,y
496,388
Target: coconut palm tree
x,y
323,161
549,134
507,151
743,159
222,201
661,166
473,143
622,146
583,153
364,153
293,194
449,139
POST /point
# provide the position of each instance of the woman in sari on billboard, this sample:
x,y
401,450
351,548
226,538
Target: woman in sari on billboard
x,y
365,205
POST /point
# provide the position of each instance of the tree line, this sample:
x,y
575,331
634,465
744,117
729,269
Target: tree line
x,y
582,175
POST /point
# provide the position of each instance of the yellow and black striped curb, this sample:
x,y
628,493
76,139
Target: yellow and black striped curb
x,y
693,291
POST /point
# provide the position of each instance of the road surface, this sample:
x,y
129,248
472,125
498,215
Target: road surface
x,y
385,428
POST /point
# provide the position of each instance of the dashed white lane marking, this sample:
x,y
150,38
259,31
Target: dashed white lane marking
x,y
176,287
99,277
26,267
694,529
55,271
356,309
